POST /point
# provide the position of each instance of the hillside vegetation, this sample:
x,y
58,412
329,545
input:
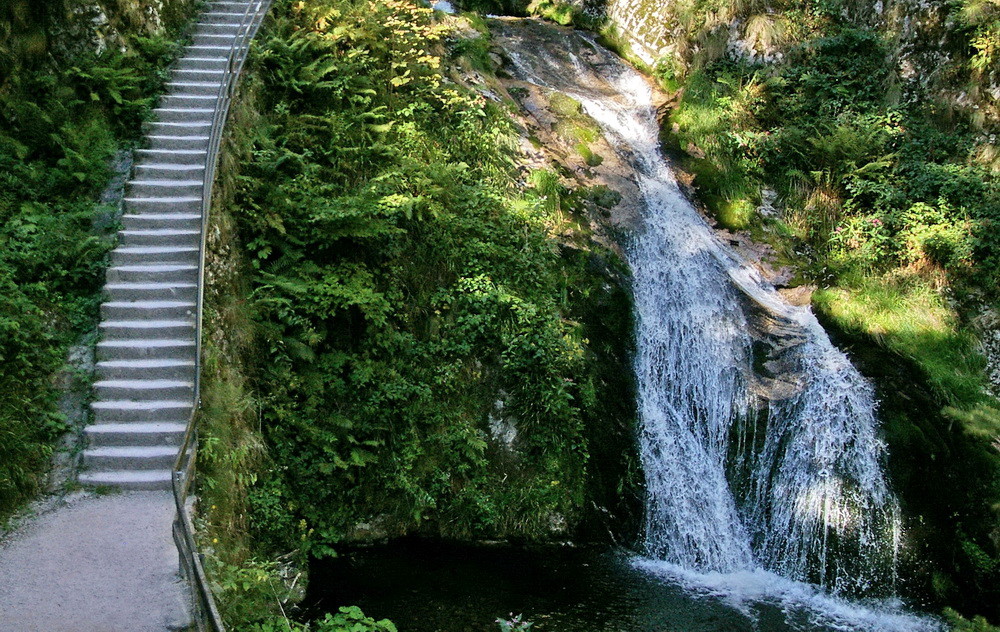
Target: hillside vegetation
x,y
76,80
425,347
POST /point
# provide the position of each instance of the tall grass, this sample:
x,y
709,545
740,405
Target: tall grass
x,y
903,313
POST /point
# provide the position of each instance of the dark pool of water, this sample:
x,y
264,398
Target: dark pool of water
x,y
434,587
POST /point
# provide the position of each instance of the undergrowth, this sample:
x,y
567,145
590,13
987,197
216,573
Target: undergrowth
x,y
64,111
385,302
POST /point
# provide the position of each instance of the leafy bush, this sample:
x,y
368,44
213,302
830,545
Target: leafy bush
x,y
62,116
515,624
348,619
404,294
495,7
959,623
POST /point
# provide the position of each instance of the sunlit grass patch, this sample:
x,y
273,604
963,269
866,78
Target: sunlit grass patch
x,y
904,314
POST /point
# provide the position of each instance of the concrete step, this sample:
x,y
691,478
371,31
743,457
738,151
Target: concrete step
x,y
173,156
220,15
145,348
155,369
159,204
134,254
134,329
205,88
164,188
200,38
185,100
208,50
146,310
151,291
142,273
137,434
144,389
181,129
227,27
157,221
217,62
128,480
128,411
178,141
148,170
111,458
162,237
182,114
211,75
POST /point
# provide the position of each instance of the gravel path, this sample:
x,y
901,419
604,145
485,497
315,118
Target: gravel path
x,y
94,564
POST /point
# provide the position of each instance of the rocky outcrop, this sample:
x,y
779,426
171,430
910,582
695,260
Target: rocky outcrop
x,y
31,31
930,46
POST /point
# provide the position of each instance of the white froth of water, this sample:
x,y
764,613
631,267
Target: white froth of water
x,y
797,489
744,589
442,5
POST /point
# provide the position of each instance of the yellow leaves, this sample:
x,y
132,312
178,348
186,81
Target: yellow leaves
x,y
401,80
431,61
324,20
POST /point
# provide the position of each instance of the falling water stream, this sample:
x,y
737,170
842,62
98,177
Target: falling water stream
x,y
767,506
744,473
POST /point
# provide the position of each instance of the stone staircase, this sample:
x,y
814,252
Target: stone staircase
x,y
146,360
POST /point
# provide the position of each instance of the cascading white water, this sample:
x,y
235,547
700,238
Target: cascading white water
x,y
735,482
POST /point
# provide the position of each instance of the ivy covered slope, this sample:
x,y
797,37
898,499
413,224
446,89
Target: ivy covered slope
x,y
76,79
425,349
859,139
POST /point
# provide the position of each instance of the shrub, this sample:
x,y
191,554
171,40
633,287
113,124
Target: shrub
x,y
62,116
403,291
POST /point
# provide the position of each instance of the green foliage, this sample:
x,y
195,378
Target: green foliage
x,y
348,619
959,623
252,598
981,20
866,183
514,624
404,294
474,49
61,118
559,12
246,593
575,126
351,619
495,7
910,318
565,14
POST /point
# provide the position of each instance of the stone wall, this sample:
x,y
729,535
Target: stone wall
x,y
32,32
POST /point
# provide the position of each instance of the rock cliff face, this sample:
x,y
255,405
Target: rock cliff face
x,y
100,24
31,31
930,42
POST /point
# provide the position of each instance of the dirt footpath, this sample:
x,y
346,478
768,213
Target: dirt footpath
x,y
94,564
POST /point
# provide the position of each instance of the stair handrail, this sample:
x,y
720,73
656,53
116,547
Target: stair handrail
x,y
205,612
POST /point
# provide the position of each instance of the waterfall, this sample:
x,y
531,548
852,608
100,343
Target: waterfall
x,y
790,482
